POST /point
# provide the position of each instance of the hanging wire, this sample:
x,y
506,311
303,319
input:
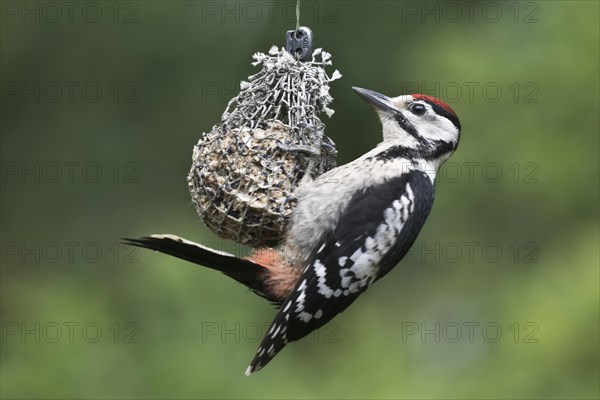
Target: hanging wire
x,y
297,15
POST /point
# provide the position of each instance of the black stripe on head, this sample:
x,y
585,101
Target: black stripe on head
x,y
408,127
439,149
396,152
429,151
440,108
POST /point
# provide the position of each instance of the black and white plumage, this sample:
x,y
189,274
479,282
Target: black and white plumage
x,y
375,231
352,225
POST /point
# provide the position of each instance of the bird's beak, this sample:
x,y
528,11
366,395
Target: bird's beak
x,y
377,100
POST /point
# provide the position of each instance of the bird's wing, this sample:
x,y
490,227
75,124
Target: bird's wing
x,y
374,232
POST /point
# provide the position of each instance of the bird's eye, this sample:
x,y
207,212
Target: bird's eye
x,y
417,109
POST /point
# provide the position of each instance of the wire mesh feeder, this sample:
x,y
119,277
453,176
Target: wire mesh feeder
x,y
246,168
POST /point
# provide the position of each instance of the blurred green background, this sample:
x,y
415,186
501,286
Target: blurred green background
x,y
101,105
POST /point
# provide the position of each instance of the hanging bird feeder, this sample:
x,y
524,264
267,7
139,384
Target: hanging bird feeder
x,y
270,137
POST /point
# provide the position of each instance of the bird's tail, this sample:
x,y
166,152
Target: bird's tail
x,y
254,275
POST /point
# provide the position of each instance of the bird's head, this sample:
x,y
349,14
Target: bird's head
x,y
418,122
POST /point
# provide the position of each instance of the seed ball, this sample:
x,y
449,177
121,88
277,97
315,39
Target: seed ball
x,y
242,183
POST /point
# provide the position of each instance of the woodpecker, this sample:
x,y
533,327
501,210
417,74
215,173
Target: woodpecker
x,y
350,227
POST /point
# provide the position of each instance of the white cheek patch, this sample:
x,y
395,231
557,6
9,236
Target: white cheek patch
x,y
439,128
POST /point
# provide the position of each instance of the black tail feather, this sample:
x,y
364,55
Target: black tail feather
x,y
242,270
